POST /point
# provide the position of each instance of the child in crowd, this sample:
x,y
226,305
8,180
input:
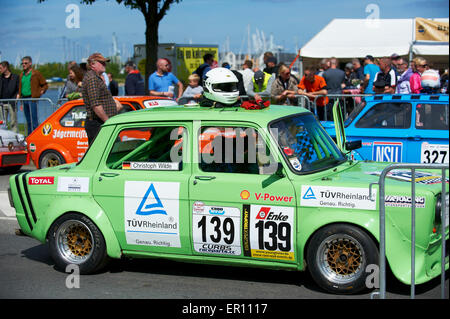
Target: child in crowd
x,y
194,91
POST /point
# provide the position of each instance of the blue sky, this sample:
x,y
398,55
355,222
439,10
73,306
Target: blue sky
x,y
38,29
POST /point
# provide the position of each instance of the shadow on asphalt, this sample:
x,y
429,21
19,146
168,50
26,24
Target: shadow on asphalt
x,y
40,253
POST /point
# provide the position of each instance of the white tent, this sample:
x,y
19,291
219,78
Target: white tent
x,y
356,38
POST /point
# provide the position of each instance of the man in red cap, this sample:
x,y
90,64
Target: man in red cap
x,y
100,105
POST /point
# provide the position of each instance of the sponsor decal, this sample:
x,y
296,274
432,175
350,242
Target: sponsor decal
x,y
296,164
32,148
47,129
406,176
151,213
337,197
41,180
273,198
268,232
61,134
403,201
73,184
216,229
154,207
245,195
151,166
387,151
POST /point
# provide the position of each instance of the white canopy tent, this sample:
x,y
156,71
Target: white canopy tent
x,y
356,38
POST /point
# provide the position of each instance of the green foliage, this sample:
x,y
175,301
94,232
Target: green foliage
x,y
60,70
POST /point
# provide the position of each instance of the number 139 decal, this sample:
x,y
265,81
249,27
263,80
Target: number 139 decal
x,y
268,232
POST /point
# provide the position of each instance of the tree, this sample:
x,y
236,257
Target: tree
x,y
153,11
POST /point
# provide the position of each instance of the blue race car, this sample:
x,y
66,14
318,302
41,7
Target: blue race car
x,y
409,128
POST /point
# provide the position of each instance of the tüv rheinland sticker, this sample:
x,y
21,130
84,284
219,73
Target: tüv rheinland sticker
x,y
152,213
338,197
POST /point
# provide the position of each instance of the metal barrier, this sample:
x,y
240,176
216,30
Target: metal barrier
x,y
41,114
340,96
381,196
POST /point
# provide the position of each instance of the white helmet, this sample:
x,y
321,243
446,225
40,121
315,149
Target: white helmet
x,y
430,79
220,85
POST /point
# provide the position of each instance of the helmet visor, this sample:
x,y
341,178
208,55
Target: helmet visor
x,y
225,87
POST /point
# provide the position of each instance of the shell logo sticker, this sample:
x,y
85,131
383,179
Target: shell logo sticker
x,y
245,194
47,129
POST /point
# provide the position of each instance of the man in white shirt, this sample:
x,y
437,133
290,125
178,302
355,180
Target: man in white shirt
x,y
247,74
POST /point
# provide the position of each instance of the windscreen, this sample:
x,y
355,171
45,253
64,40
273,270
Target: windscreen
x,y
305,144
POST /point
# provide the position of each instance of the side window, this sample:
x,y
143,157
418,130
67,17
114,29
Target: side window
x,y
126,108
148,148
432,117
234,150
387,115
75,117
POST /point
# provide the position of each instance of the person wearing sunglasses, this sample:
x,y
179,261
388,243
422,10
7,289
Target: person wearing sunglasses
x,y
31,85
100,105
419,66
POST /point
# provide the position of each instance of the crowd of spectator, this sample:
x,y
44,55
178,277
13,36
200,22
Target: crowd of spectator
x,y
274,81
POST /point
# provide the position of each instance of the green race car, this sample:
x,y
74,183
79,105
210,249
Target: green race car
x,y
229,186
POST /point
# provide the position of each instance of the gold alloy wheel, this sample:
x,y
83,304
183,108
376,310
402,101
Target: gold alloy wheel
x,y
79,241
75,242
344,257
341,258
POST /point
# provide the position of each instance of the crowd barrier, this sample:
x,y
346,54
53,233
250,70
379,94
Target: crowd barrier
x,y
381,196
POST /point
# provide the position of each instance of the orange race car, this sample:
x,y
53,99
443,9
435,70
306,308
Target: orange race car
x,y
61,138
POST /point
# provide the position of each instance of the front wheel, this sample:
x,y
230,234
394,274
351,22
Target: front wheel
x,y
338,256
75,239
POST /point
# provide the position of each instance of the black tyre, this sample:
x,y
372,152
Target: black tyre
x,y
75,239
50,158
338,256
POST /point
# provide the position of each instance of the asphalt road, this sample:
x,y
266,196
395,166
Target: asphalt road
x,y
27,271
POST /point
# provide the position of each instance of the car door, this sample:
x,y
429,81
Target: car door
x,y
384,129
242,206
141,184
429,143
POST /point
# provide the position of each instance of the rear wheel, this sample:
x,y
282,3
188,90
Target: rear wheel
x,y
50,158
75,239
338,256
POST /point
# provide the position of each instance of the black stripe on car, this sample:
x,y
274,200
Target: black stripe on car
x,y
19,192
25,188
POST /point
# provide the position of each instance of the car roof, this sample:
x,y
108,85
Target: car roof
x,y
408,97
198,113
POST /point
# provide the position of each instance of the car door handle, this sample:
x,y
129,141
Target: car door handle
x,y
414,138
205,178
109,174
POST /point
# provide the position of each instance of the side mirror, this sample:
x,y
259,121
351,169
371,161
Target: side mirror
x,y
353,145
279,171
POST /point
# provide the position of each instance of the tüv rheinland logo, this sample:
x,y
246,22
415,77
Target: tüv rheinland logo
x,y
309,194
152,205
